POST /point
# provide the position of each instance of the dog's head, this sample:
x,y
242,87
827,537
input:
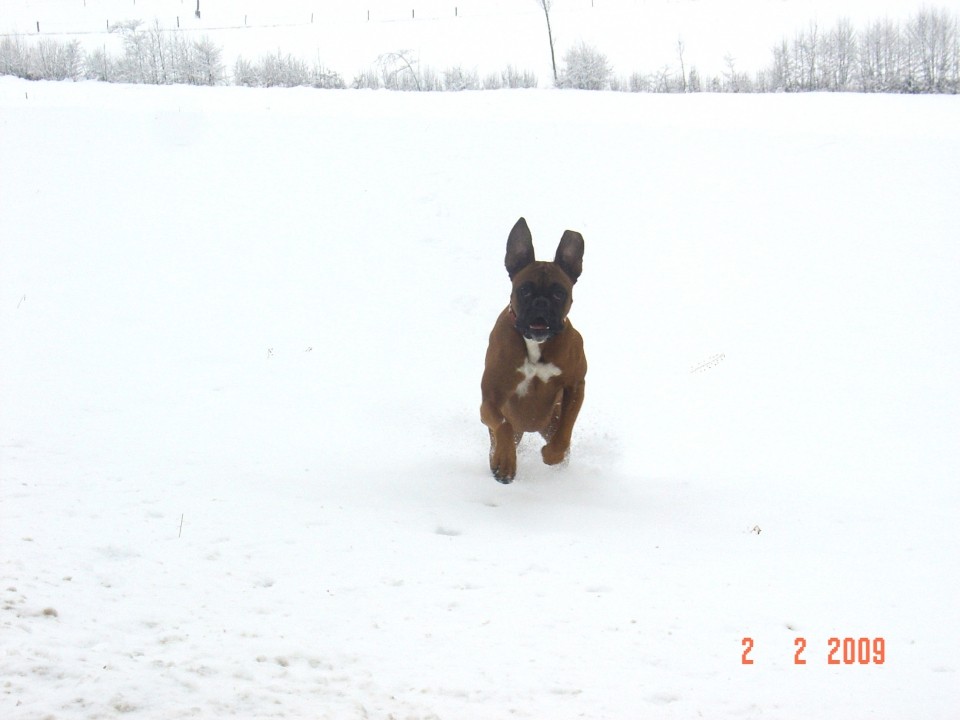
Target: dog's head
x,y
542,291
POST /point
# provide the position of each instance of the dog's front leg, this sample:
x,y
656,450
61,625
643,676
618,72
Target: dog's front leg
x,y
503,448
556,449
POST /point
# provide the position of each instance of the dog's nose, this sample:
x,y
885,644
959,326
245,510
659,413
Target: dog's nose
x,y
540,303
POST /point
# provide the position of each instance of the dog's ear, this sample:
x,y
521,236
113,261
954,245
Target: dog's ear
x,y
519,248
570,254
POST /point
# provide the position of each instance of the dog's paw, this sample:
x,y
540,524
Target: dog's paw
x,y
554,454
504,466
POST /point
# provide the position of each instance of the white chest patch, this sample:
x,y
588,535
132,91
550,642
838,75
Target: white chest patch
x,y
533,368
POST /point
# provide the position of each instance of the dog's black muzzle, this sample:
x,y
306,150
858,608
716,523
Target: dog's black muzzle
x,y
539,319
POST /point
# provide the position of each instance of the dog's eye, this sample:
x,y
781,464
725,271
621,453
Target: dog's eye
x,y
525,291
558,293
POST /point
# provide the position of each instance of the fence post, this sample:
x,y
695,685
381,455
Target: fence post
x,y
38,27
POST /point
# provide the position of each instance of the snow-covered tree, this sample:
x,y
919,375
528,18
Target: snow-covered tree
x,y
58,60
14,57
585,68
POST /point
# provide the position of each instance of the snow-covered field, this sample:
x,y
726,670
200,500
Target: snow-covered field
x,y
242,472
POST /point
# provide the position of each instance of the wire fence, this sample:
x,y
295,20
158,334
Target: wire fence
x,y
194,21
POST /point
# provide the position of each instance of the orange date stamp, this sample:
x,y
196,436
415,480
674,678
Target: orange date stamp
x,y
839,651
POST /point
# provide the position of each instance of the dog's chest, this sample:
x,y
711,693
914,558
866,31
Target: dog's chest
x,y
532,369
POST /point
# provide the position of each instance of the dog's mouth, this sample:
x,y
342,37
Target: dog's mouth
x,y
538,330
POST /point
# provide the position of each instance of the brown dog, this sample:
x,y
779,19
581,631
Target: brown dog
x,y
533,377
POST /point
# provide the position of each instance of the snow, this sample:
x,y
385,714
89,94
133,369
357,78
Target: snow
x,y
243,472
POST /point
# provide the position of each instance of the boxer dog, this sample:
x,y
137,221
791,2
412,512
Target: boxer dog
x,y
535,369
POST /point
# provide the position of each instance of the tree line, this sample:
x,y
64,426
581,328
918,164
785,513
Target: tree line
x,y
921,55
150,55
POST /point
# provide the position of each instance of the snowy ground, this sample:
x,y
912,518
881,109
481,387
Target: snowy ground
x,y
241,464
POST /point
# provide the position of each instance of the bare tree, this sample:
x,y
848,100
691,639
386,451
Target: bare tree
x,y
546,5
841,53
660,82
731,75
456,78
782,72
399,72
100,66
683,69
932,38
158,52
812,47
511,77
639,82
132,67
